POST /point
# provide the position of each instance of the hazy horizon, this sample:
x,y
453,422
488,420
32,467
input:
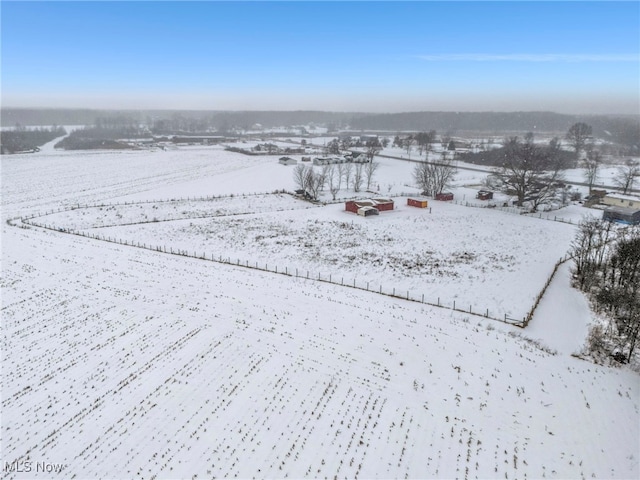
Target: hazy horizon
x,y
369,57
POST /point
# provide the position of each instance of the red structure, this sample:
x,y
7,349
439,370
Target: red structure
x,y
354,205
417,202
381,204
484,195
444,196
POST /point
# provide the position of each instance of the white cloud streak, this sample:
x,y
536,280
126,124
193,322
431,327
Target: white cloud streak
x,y
531,57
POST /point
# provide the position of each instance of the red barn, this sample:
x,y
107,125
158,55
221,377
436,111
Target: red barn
x,y
444,196
383,204
354,205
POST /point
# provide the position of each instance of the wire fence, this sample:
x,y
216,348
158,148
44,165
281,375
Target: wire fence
x,y
292,272
377,288
529,315
516,210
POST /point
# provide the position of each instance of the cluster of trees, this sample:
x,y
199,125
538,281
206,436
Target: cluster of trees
x,y
533,172
352,175
529,171
607,268
372,146
589,157
627,175
423,141
433,177
22,140
104,134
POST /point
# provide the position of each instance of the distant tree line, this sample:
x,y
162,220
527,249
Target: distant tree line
x,y
622,130
105,133
21,139
607,268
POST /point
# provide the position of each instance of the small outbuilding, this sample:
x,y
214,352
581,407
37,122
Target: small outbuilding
x,y
417,202
484,195
629,216
368,211
383,204
355,205
287,161
444,196
380,204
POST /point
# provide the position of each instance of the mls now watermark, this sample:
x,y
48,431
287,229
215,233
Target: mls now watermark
x,y
27,466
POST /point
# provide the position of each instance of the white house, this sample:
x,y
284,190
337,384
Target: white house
x,y
619,200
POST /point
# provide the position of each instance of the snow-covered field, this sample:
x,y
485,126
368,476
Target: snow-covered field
x,y
440,254
121,362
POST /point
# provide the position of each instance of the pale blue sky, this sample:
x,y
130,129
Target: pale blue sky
x,y
573,57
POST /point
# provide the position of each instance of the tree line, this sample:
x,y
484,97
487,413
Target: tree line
x,y
21,139
104,134
312,182
607,268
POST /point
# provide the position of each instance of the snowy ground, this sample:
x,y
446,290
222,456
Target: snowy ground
x,y
442,254
122,362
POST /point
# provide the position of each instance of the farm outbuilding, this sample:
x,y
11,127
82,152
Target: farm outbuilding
x,y
444,196
626,215
368,211
380,204
287,161
484,195
383,204
355,205
417,202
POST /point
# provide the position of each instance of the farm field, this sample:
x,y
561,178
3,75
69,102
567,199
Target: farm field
x,y
122,362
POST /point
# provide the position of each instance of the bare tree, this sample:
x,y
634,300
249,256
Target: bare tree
x,y
324,172
314,182
626,176
591,167
578,136
358,177
333,182
373,148
300,176
530,172
407,144
422,177
333,147
434,177
443,174
618,289
348,171
370,170
445,141
340,173
588,249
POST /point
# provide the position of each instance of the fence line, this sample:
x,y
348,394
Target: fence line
x,y
529,315
515,210
297,273
294,272
78,206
